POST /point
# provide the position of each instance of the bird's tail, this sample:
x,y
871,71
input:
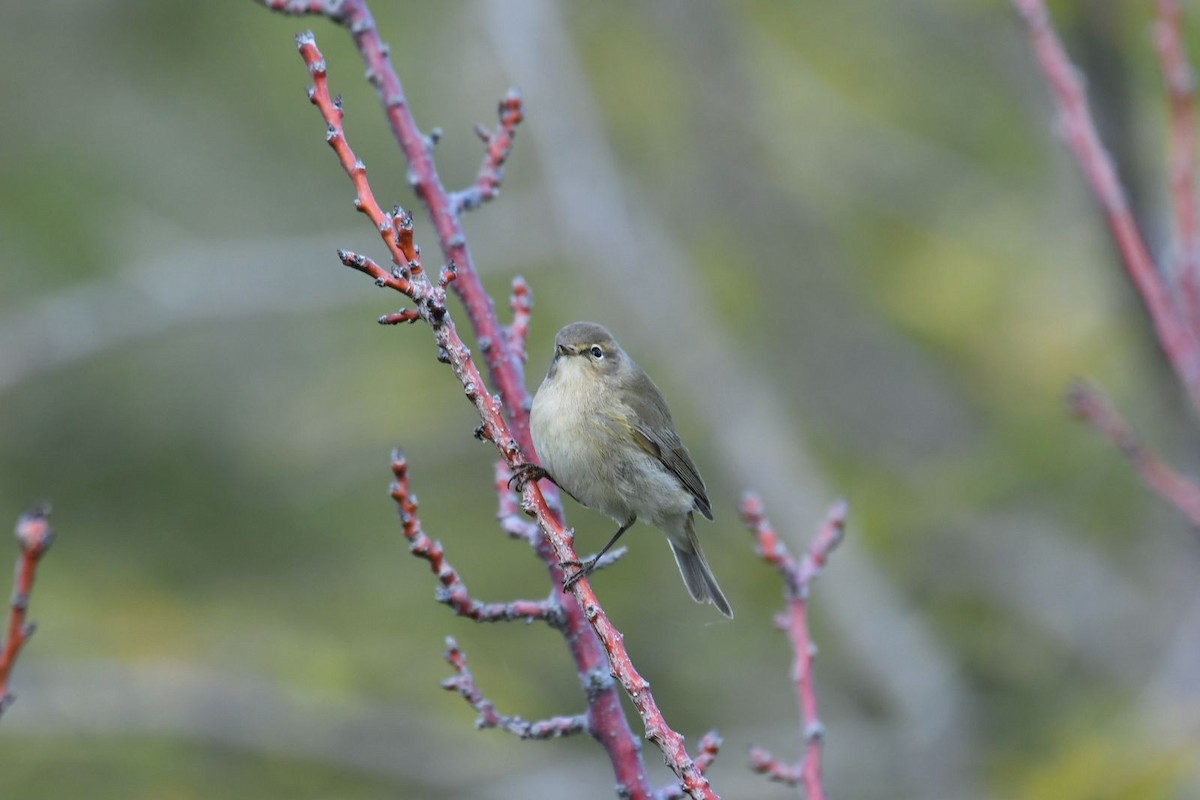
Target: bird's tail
x,y
696,573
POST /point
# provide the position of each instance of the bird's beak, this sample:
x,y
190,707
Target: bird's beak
x,y
562,350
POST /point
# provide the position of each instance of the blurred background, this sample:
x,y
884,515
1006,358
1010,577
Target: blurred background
x,y
842,237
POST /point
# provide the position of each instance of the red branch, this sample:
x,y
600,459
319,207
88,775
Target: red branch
x,y
509,515
1088,403
34,536
515,525
498,144
454,592
707,750
797,577
505,366
1180,81
600,651
489,717
522,307
1079,129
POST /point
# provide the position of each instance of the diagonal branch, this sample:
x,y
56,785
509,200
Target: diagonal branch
x,y
797,576
489,717
515,525
1088,403
34,535
1079,129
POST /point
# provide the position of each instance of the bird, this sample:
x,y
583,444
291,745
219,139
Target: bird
x,y
603,433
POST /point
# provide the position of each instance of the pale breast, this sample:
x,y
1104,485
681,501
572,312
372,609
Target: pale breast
x,y
567,434
592,456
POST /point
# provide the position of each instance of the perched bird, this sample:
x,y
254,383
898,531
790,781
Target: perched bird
x,y
604,434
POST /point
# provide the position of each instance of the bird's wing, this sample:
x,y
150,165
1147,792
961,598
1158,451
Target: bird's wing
x,y
654,431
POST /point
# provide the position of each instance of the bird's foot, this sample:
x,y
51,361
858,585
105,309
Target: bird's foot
x,y
524,474
584,569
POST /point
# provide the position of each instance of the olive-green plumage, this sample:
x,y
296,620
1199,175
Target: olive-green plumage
x,y
604,434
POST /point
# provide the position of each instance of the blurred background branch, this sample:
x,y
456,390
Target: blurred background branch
x,y
1088,403
1174,309
1075,119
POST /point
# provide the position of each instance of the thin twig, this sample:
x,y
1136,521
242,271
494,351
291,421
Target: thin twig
x,y
453,591
797,576
521,303
1088,402
489,717
34,535
498,144
509,515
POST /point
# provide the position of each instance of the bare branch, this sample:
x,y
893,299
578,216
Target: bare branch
x,y
706,753
797,577
453,591
498,144
522,307
506,368
489,717
515,525
512,521
34,535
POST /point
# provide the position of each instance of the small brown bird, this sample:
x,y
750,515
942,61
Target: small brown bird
x,y
604,435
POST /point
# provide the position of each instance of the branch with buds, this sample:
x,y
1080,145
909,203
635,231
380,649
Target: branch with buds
x,y
596,645
453,591
34,535
797,575
1172,300
489,717
497,145
707,750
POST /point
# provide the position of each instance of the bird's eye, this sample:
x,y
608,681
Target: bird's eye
x,y
596,352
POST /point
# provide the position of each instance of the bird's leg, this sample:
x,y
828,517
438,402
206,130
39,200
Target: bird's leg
x,y
586,567
526,473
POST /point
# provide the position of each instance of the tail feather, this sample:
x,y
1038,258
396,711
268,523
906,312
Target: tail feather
x,y
697,575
